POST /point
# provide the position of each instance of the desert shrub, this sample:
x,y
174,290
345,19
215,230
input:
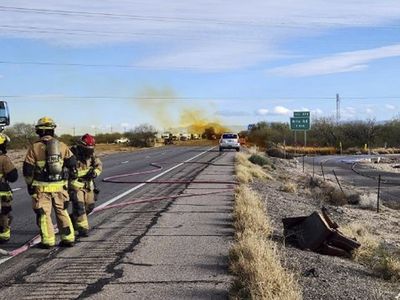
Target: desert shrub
x,y
259,160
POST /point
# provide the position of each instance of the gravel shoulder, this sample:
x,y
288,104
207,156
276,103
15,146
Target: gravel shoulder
x,y
325,277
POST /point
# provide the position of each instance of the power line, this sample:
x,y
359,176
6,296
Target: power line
x,y
182,19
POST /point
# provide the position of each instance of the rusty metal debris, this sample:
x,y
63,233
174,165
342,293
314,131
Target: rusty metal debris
x,y
318,233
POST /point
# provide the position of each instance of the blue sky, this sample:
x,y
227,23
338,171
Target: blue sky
x,y
92,65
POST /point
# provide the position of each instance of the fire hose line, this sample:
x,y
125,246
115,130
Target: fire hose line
x,y
116,179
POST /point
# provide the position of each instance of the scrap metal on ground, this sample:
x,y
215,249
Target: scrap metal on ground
x,y
318,233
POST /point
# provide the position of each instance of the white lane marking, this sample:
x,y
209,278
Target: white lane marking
x,y
148,156
16,189
151,179
3,260
125,162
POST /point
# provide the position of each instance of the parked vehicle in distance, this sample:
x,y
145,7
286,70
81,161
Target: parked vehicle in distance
x,y
122,140
184,136
229,141
166,135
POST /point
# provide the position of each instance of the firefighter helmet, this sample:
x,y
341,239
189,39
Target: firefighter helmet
x,y
86,145
45,123
87,141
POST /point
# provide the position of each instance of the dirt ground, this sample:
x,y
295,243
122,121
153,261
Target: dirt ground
x,y
325,277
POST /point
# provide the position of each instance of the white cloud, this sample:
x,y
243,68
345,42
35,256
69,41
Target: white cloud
x,y
262,112
338,63
369,110
282,111
390,106
276,111
201,35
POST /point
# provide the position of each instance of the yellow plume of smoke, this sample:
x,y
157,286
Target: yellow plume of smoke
x,y
163,105
196,121
159,104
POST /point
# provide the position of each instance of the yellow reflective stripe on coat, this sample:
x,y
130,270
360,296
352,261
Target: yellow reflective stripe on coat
x,y
49,187
5,235
82,173
97,171
41,163
7,194
46,239
77,184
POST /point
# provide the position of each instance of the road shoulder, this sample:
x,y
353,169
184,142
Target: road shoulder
x,y
184,255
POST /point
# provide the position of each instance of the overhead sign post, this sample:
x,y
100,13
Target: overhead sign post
x,y
300,122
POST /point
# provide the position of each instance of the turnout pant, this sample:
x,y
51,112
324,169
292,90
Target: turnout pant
x,y
42,205
83,202
5,218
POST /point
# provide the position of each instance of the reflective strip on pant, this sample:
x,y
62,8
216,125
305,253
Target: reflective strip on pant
x,y
5,235
71,236
46,238
82,222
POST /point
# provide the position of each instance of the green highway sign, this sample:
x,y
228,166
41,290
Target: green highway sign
x,y
298,123
301,114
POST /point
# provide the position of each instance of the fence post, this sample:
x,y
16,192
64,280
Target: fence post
x,y
322,170
337,180
313,167
303,163
379,193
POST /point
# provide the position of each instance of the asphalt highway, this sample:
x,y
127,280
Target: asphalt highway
x,y
117,234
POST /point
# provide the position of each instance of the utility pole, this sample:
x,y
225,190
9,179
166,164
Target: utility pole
x,y
337,109
73,130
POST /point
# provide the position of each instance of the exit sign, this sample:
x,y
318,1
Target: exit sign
x,y
300,123
301,114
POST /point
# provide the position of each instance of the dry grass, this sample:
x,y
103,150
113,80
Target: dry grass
x,y
312,150
289,187
260,274
373,253
253,257
249,212
246,171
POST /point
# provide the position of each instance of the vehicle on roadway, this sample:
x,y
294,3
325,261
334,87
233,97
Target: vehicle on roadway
x,y
229,141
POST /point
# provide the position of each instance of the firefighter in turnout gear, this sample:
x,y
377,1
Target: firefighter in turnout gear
x,y
47,167
8,173
82,190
